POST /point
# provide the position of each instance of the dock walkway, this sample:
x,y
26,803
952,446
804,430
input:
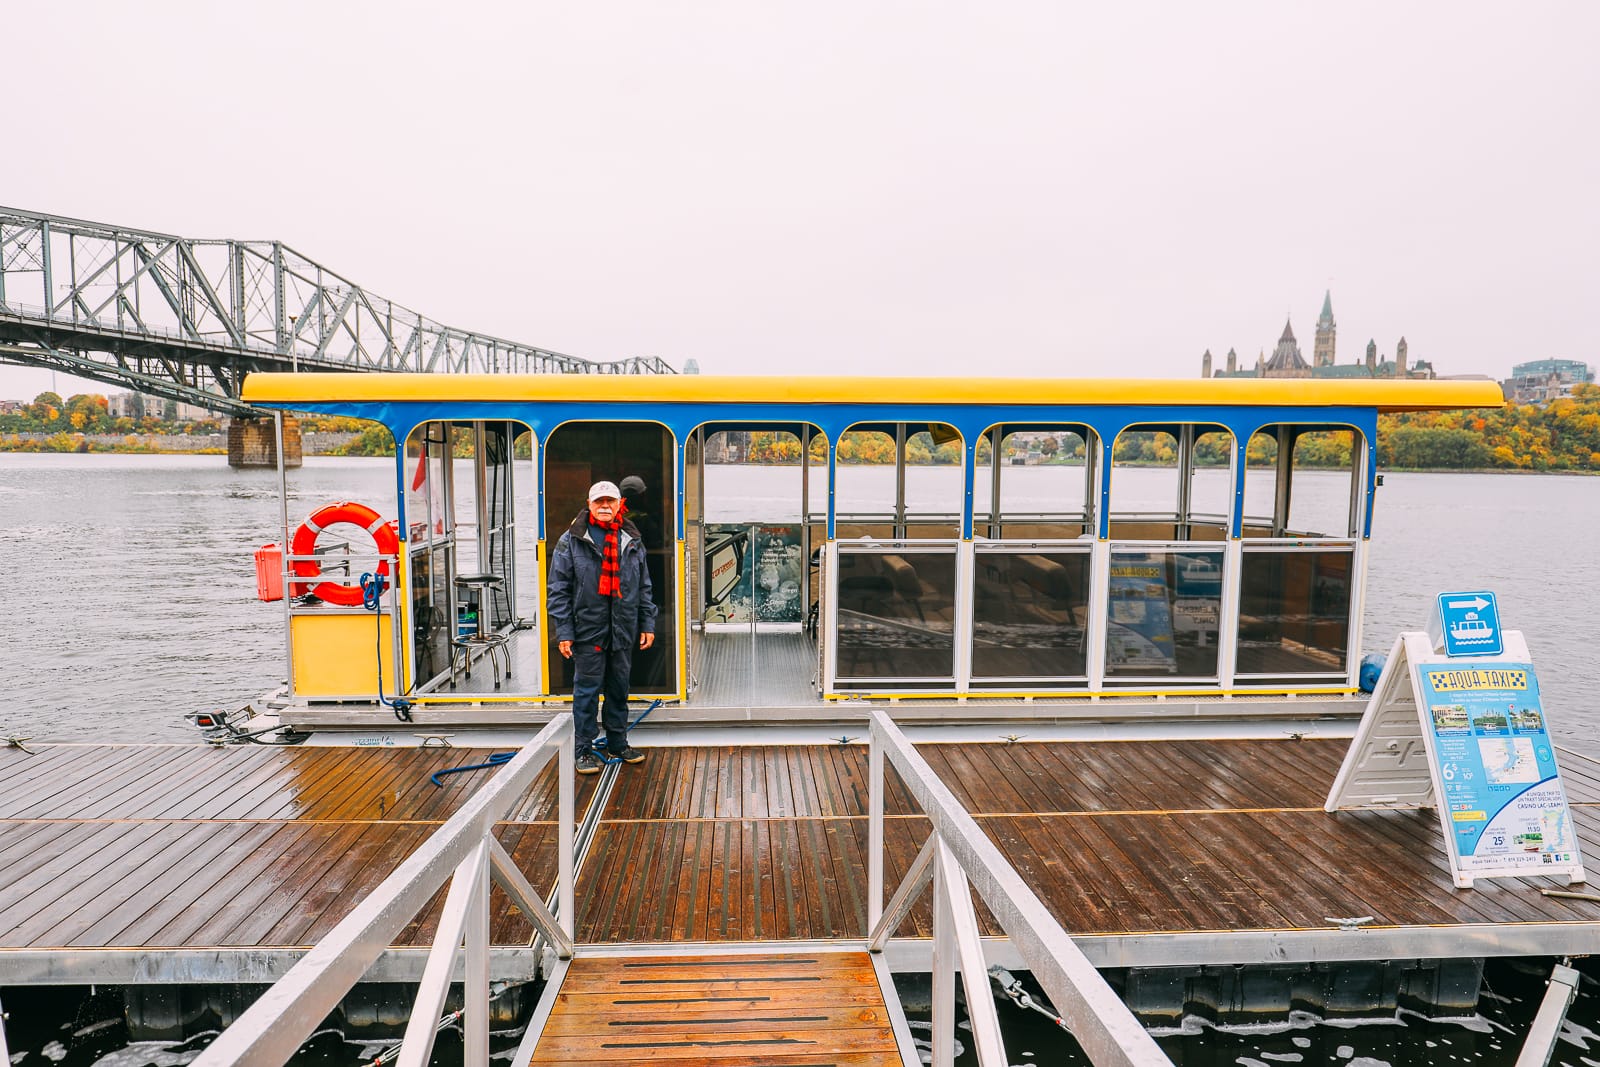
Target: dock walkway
x,y
167,863
779,1008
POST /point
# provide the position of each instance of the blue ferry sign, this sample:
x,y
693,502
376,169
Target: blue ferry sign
x,y
1470,624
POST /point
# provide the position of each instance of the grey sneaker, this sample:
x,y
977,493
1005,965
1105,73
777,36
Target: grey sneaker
x,y
588,763
629,755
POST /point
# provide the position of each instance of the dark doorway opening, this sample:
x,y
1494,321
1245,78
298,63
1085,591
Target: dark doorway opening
x,y
577,455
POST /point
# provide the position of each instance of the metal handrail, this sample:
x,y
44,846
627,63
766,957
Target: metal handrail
x,y
959,855
275,1026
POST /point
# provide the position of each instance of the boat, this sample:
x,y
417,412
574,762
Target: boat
x,y
938,605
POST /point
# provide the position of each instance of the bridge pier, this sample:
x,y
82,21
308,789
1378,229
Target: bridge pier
x,y
252,443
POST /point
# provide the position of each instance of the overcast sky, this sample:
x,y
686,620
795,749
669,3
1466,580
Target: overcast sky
x,y
1051,188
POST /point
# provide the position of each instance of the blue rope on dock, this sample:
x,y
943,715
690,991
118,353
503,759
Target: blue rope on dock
x,y
498,758
495,760
599,746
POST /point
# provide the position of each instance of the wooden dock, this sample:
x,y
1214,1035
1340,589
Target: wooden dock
x,y
124,863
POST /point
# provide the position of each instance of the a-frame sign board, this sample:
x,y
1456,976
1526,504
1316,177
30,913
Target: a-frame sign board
x,y
1467,737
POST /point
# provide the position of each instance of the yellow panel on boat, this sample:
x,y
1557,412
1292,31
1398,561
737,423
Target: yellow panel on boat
x,y
334,655
1384,394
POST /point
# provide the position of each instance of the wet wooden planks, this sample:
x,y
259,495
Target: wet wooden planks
x,y
769,1009
83,782
1117,838
185,846
167,847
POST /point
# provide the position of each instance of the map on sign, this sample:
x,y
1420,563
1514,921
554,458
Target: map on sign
x,y
1500,793
1468,738
1469,624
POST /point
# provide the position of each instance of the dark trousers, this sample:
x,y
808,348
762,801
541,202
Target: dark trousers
x,y
596,671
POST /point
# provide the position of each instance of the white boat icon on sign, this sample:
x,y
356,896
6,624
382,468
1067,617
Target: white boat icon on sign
x,y
1471,629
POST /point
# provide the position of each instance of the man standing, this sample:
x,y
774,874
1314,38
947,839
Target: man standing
x,y
601,604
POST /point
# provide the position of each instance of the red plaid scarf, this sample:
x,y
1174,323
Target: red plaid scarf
x,y
611,558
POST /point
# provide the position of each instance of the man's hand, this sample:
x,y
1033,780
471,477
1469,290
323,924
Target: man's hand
x,y
566,648
646,640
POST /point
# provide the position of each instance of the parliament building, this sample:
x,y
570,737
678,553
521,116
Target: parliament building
x,y
1286,360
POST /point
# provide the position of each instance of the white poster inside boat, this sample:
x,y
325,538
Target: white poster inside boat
x,y
1486,762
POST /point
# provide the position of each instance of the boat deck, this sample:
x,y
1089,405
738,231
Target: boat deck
x,y
180,863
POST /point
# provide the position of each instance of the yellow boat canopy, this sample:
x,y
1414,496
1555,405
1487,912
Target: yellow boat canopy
x,y
1384,395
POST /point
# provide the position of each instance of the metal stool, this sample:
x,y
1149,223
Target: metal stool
x,y
495,644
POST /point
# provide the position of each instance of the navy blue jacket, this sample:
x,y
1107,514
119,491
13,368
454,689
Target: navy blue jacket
x,y
577,610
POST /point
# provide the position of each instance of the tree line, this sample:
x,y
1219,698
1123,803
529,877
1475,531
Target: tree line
x,y
1563,435
65,420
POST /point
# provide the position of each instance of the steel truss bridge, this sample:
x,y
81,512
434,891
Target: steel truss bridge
x,y
187,319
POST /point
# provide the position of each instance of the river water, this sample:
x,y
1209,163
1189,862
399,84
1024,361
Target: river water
x,y
133,602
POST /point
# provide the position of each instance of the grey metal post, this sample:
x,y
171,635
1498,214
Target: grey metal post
x,y
805,515
1284,475
899,480
72,272
1185,500
480,470
874,830
944,967
996,435
49,282
1552,1013
475,981
566,803
283,560
280,311
236,283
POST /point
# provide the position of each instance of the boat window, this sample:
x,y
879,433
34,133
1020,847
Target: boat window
x,y
1043,479
899,481
1144,485
1210,496
430,534
1030,614
1294,613
523,538
1260,483
1323,501
1171,483
756,491
1308,487
494,547
1163,613
752,476
864,495
896,615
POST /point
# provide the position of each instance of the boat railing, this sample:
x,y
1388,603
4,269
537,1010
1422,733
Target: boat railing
x,y
464,852
958,856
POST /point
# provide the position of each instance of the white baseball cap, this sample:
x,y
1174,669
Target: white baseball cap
x,y
602,489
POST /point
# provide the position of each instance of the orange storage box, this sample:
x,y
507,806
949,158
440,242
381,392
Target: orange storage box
x,y
269,572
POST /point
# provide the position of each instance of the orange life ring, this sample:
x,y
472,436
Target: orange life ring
x,y
305,544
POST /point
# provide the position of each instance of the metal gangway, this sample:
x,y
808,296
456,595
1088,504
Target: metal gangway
x,y
956,858
186,319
